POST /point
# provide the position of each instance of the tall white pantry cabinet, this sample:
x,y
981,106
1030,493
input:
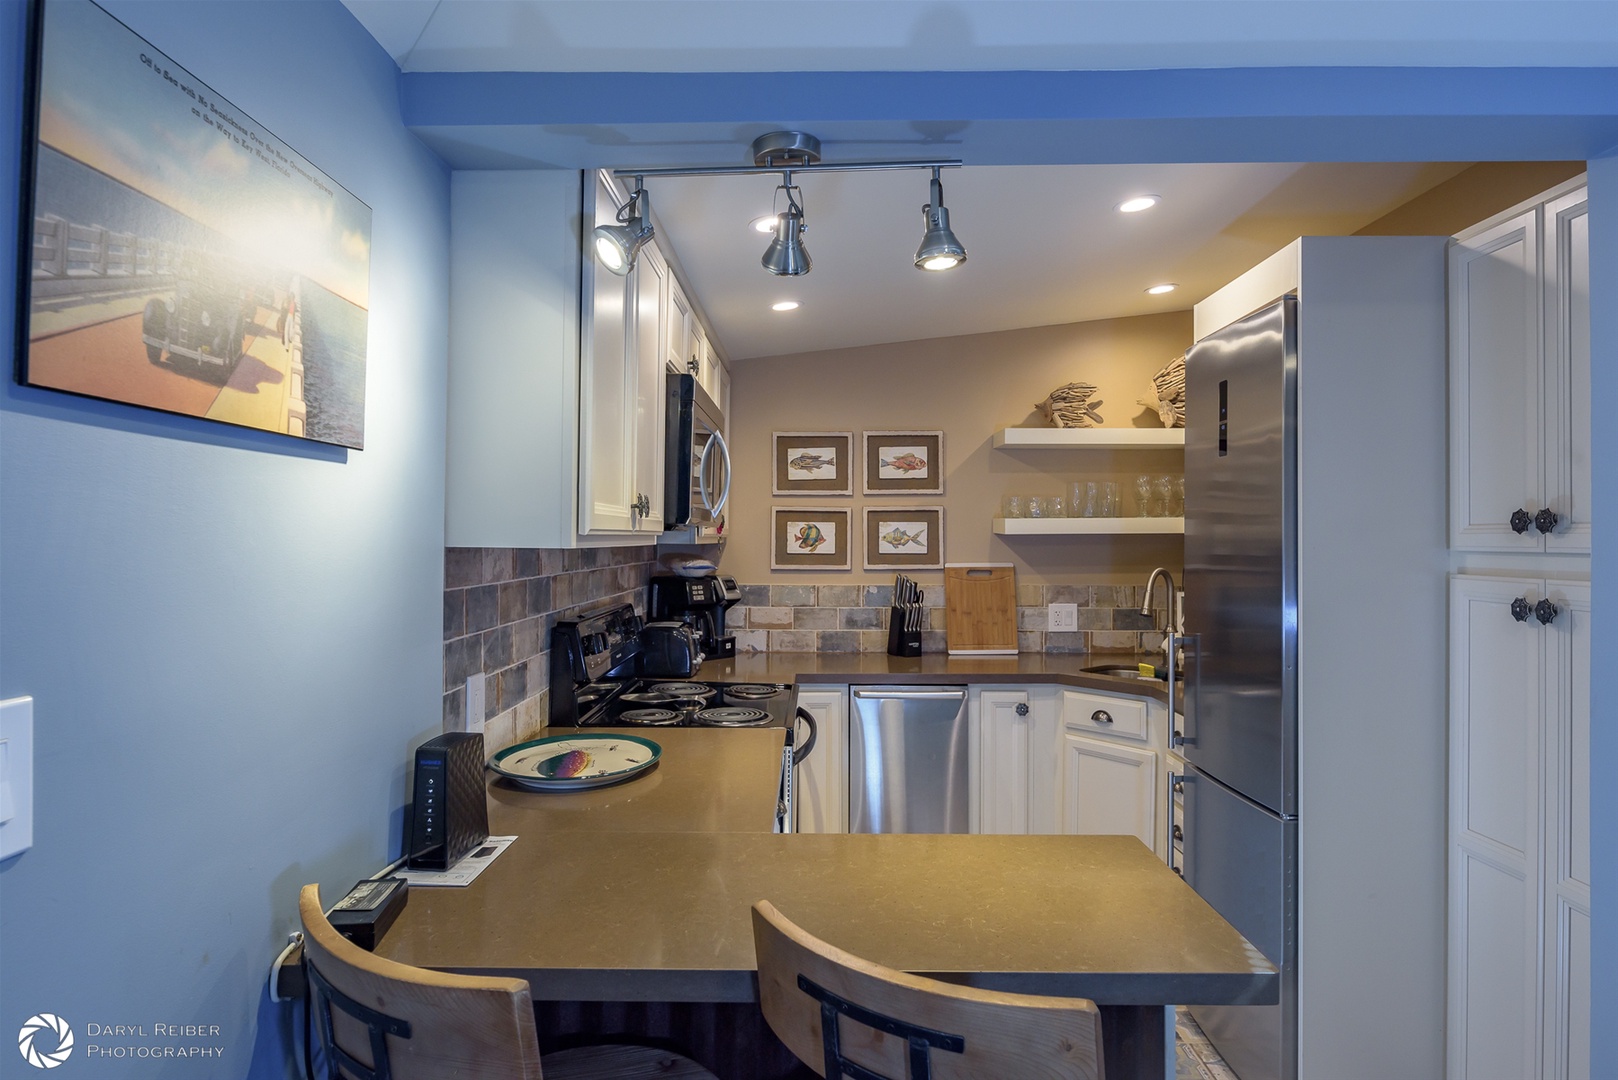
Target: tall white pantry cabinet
x,y
1519,708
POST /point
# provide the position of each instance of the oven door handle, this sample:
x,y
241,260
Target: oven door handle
x,y
802,752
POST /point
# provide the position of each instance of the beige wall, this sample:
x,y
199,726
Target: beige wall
x,y
969,387
1472,195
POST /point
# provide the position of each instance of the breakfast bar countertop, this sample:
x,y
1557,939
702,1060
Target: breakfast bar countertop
x,y
603,916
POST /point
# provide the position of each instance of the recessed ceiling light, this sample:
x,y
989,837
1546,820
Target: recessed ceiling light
x,y
765,224
784,305
1138,203
1159,290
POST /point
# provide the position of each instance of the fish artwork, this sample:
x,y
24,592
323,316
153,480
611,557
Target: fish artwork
x,y
897,539
906,463
809,537
812,463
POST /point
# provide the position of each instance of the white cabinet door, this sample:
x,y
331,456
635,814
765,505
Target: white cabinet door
x,y
677,343
1495,385
1496,690
821,789
651,277
1109,788
607,384
1566,778
1567,382
1005,762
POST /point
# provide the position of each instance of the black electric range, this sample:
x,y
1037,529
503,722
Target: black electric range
x,y
597,679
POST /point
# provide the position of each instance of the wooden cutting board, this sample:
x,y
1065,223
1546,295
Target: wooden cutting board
x,y
980,609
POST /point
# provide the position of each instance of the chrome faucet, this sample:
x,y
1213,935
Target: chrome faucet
x,y
1174,614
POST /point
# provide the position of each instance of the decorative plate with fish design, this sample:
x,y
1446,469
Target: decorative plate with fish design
x,y
575,762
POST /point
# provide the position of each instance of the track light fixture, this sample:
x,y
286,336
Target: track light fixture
x,y
617,245
780,152
786,255
939,250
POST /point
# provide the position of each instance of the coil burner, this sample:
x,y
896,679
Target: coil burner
x,y
731,716
649,717
754,691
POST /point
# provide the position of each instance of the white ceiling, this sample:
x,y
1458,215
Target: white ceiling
x,y
1044,244
973,35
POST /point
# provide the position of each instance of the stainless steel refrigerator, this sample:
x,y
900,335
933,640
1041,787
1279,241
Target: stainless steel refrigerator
x,y
1241,724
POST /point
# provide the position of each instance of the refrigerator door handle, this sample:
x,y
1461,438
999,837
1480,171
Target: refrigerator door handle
x,y
1183,735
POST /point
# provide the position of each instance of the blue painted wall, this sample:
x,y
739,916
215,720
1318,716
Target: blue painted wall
x,y
232,638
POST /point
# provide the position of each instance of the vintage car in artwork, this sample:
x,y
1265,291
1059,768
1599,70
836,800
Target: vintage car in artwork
x,y
204,320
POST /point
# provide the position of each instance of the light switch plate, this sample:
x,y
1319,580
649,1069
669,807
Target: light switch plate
x,y
474,702
1062,618
16,776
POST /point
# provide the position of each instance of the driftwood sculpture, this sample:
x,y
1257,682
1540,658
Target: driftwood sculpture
x,y
1168,394
1070,406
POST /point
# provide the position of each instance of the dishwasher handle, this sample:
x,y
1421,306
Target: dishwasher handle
x,y
799,754
955,693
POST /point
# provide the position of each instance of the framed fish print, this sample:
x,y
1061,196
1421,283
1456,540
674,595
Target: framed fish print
x,y
904,463
810,538
904,538
814,463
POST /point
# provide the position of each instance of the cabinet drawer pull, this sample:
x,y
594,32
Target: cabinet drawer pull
x,y
1545,612
1101,716
1520,520
1545,520
1521,609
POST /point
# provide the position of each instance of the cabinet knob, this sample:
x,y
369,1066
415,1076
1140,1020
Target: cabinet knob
x,y
1545,612
1521,609
1101,716
1545,520
1022,708
1179,833
1520,520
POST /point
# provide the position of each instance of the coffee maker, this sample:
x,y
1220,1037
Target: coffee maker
x,y
700,602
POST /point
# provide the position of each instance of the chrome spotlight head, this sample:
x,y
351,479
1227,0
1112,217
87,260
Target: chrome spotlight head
x,y
940,250
617,245
786,255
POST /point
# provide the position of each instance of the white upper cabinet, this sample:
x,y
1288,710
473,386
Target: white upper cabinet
x,y
621,384
677,346
1519,381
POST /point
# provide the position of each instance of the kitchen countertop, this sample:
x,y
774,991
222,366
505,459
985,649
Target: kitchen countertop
x,y
807,669
706,781
606,916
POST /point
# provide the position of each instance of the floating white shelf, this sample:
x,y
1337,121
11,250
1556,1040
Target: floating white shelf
x,y
1013,438
1088,526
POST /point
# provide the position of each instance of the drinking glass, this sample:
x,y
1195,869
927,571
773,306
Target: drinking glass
x,y
1055,506
1036,506
1162,496
1179,496
1109,499
1014,506
1143,496
1086,499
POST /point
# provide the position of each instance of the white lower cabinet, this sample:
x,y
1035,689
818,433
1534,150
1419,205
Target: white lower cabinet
x,y
1016,779
1519,962
1109,788
821,788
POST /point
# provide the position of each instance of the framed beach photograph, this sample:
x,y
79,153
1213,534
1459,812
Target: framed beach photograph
x,y
182,257
809,538
904,538
813,463
904,463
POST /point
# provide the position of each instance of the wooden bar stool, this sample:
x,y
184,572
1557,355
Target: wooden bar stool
x,y
381,1020
844,1016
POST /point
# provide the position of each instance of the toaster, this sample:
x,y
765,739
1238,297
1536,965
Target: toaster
x,y
669,650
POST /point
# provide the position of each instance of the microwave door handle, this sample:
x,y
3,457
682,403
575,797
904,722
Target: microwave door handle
x,y
724,451
702,472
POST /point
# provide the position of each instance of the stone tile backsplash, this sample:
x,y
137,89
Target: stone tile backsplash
x,y
854,618
499,607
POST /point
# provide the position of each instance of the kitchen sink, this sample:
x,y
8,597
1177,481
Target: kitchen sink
x,y
1120,671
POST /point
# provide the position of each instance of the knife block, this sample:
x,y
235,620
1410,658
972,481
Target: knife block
x,y
902,642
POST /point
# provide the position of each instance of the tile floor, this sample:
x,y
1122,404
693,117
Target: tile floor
x,y
1194,1056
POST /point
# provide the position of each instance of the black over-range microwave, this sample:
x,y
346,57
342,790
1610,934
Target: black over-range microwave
x,y
696,460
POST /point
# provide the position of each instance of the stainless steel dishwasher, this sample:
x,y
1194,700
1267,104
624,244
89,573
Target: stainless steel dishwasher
x,y
907,760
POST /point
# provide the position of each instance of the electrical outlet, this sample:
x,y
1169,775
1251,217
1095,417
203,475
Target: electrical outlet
x,y
1062,617
474,702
